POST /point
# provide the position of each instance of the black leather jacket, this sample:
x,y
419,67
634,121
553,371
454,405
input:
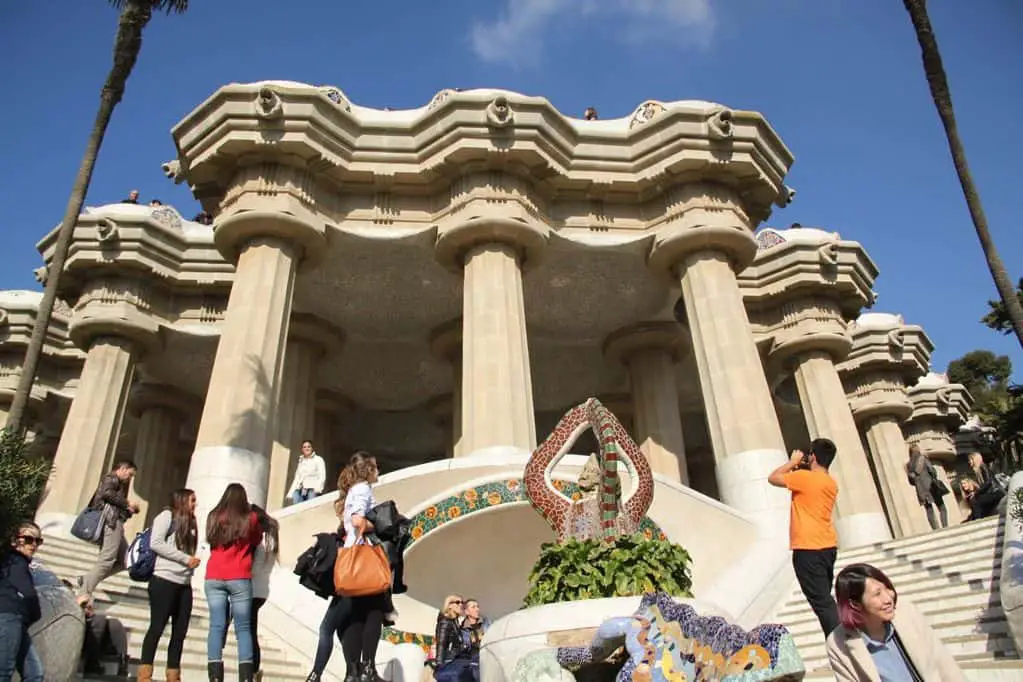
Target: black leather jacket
x,y
448,640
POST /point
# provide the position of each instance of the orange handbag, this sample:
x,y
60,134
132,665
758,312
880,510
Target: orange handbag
x,y
361,570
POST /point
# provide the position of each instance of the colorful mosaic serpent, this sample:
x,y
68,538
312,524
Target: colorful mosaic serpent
x,y
667,641
614,517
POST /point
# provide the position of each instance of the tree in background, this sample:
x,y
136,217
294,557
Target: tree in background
x,y
135,14
22,481
996,402
934,70
998,317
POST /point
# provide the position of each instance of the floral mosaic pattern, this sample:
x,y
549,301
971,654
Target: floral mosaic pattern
x,y
477,499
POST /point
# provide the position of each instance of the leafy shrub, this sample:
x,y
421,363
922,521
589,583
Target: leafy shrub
x,y
22,481
592,569
1015,506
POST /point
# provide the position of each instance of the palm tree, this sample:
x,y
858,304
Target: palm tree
x,y
938,82
135,14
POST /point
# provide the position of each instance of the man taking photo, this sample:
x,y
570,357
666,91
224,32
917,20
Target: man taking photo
x,y
813,539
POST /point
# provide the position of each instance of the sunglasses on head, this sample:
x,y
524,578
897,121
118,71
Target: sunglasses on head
x,y
31,540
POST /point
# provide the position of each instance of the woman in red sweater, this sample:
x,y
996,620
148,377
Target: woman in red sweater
x,y
233,533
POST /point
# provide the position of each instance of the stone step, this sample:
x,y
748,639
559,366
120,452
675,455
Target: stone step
x,y
962,647
964,532
975,671
939,619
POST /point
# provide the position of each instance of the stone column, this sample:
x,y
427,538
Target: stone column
x,y
332,408
890,452
237,426
497,390
710,236
446,343
161,411
442,410
309,340
650,351
93,424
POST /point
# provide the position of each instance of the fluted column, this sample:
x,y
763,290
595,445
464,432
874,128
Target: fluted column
x,y
237,426
497,389
93,424
711,235
446,343
309,340
859,516
161,411
650,351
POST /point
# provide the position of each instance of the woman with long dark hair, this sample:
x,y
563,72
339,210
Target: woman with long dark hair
x,y
361,634
19,605
173,538
233,533
264,559
874,641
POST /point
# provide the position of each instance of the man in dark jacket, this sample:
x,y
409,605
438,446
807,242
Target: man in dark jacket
x,y
112,498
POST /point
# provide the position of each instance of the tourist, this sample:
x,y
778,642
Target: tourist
x,y
335,618
19,605
812,535
876,642
361,635
203,218
233,533
590,114
111,497
263,561
153,203
310,475
451,653
103,636
929,488
474,627
173,538
133,197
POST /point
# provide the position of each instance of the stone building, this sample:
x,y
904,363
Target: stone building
x,y
438,285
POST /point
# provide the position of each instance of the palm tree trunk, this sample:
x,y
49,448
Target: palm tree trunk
x,y
132,21
936,79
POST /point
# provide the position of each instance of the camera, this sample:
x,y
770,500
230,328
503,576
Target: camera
x,y
804,463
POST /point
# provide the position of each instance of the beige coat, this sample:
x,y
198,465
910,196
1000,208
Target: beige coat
x,y
851,662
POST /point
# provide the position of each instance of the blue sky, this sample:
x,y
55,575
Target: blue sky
x,y
840,80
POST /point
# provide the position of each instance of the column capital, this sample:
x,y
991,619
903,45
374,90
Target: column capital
x,y
935,399
118,307
800,326
145,396
301,235
874,395
313,330
446,341
670,337
456,241
702,217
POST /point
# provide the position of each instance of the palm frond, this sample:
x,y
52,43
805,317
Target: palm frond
x,y
168,6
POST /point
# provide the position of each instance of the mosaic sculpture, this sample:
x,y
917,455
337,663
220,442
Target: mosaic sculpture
x,y
601,514
667,641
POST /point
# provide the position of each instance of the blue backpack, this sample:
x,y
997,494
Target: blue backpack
x,y
140,559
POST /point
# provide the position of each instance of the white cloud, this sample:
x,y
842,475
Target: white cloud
x,y
517,35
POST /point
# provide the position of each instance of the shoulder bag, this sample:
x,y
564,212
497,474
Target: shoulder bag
x,y
361,570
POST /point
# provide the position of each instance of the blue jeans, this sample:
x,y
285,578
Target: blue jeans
x,y
16,651
302,494
234,597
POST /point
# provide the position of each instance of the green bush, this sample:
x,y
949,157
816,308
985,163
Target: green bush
x,y
1015,505
22,481
592,569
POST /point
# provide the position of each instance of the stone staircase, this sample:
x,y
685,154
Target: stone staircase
x,y
952,576
120,597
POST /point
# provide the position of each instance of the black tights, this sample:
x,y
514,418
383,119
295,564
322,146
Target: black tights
x,y
167,601
362,634
334,621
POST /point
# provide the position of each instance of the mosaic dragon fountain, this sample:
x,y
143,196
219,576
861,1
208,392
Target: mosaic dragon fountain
x,y
663,640
603,515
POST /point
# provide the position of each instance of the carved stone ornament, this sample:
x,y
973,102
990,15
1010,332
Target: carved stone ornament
x,y
268,104
943,397
896,340
720,126
828,253
440,97
165,215
337,97
173,170
645,113
41,274
3,317
499,113
785,196
768,238
106,231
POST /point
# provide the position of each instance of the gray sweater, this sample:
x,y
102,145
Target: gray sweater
x,y
171,562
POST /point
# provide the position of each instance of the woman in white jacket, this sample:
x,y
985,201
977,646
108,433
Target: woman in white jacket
x,y
310,475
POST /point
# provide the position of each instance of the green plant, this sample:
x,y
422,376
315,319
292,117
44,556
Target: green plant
x,y
22,481
1016,506
592,569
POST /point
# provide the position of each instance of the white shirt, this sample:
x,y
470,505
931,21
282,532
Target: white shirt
x,y
311,472
359,500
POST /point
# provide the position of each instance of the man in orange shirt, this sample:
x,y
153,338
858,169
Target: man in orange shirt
x,y
813,539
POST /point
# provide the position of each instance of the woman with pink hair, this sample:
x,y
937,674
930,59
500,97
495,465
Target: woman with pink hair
x,y
876,643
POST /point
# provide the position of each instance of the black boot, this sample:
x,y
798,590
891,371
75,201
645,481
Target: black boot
x,y
353,674
369,672
313,677
216,671
246,671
